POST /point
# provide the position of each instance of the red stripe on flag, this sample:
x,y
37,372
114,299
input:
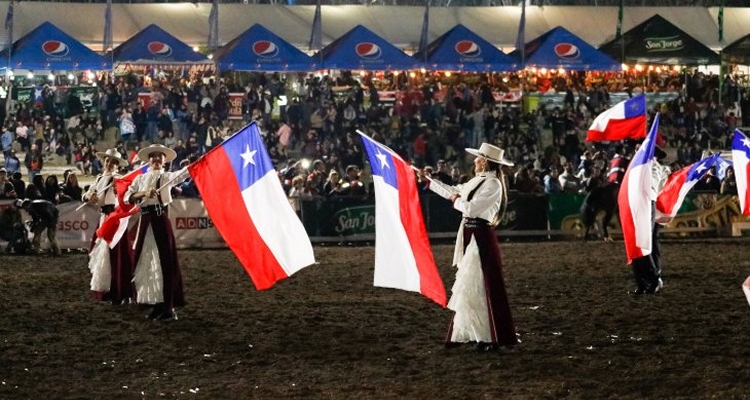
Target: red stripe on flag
x,y
626,221
620,129
431,285
224,202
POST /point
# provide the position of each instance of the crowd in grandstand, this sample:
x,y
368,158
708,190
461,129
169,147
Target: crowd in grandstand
x,y
313,142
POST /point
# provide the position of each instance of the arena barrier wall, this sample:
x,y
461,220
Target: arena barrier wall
x,y
353,220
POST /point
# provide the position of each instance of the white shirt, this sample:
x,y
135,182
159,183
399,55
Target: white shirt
x,y
151,180
104,187
486,201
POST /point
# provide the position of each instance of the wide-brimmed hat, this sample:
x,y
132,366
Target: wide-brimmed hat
x,y
492,153
169,154
111,153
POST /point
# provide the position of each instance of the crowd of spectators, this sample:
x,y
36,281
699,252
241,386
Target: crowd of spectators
x,y
313,139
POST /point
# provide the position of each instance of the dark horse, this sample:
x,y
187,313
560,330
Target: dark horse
x,y
602,198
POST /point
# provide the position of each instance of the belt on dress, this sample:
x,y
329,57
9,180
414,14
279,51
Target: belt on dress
x,y
157,209
475,222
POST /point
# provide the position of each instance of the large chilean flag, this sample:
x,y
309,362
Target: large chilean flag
x,y
245,200
678,185
403,258
634,198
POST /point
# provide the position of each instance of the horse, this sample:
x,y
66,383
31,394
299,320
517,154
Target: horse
x,y
602,198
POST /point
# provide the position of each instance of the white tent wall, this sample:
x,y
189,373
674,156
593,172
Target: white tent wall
x,y
400,25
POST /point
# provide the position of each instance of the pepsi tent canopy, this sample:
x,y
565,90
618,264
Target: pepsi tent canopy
x,y
154,45
47,47
362,49
258,49
460,49
559,48
658,41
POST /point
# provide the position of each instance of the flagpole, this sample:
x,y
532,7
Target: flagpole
x,y
721,49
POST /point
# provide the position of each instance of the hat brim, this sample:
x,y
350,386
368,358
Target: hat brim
x,y
169,154
503,161
102,155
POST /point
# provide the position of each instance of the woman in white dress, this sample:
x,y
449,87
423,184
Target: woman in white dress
x,y
111,268
157,277
479,297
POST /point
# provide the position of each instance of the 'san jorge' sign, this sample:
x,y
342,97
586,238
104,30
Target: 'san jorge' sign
x,y
672,43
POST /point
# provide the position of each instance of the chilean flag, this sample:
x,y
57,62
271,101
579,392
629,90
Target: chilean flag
x,y
678,185
626,120
403,258
114,226
634,198
245,200
741,160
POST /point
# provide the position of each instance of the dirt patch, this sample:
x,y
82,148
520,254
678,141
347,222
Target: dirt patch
x,y
327,333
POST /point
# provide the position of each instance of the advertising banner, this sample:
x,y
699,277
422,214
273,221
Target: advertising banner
x,y
235,105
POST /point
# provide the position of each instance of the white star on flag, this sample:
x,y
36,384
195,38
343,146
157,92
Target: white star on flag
x,y
746,142
700,167
248,156
382,158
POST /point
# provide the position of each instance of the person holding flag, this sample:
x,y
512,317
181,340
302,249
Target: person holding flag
x,y
479,296
157,276
643,180
111,268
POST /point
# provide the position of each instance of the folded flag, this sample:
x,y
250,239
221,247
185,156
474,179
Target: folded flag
x,y
245,200
669,200
741,160
403,257
114,226
634,198
626,120
721,167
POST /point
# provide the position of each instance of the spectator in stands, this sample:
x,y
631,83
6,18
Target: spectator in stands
x,y
19,185
7,190
568,181
352,186
52,191
6,141
552,182
34,161
71,190
22,136
332,187
729,183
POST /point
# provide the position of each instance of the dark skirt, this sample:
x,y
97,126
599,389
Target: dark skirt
x,y
502,329
165,243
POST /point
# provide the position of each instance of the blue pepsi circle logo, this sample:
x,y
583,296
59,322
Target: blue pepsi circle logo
x,y
467,48
55,48
265,49
367,50
160,49
567,50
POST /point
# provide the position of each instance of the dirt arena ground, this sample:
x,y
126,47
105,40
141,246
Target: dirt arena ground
x,y
326,333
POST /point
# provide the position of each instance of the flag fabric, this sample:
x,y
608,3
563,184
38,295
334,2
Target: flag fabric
x,y
244,198
213,26
626,120
424,36
741,161
669,200
721,167
9,22
521,37
107,41
114,226
634,198
746,289
316,35
403,258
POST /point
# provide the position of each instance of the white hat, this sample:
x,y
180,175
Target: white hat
x,y
169,154
492,153
111,153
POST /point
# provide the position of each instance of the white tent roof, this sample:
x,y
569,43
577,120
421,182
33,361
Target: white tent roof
x,y
400,25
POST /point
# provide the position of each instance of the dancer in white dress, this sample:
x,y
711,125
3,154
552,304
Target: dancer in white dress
x,y
111,268
479,297
157,277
